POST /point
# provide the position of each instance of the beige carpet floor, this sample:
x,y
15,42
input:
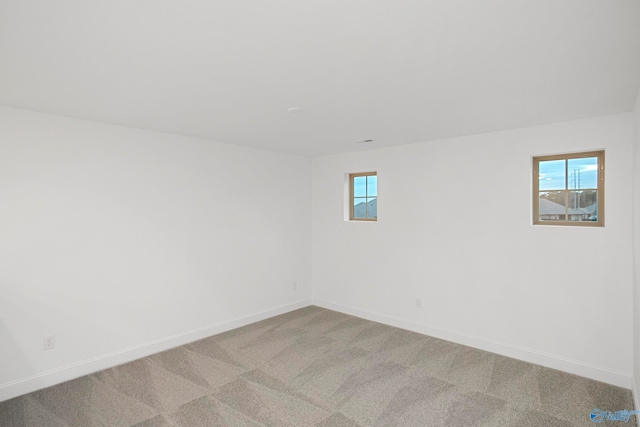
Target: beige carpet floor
x,y
316,367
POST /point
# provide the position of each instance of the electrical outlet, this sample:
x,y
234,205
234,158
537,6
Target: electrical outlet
x,y
418,302
49,342
295,286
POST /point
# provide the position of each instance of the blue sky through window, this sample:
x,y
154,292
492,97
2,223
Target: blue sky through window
x,y
581,173
365,186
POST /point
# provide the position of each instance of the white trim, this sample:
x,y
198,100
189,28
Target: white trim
x,y
636,398
576,367
65,373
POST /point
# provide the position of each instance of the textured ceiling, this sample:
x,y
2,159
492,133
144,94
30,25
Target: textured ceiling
x,y
399,71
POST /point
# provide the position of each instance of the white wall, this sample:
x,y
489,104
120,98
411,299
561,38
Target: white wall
x,y
455,229
124,242
636,252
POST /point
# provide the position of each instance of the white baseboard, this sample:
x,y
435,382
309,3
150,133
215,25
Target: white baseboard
x,y
636,398
46,379
598,373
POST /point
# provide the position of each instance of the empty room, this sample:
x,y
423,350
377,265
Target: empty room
x,y
319,213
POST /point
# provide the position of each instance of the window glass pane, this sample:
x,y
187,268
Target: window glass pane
x,y
551,175
589,204
583,173
360,186
583,205
569,189
372,208
372,186
551,206
575,212
359,207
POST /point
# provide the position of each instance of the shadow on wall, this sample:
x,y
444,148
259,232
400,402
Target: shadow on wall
x,y
24,322
13,358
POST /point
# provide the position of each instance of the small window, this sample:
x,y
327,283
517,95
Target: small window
x,y
568,189
363,196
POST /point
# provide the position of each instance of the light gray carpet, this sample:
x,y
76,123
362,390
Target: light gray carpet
x,y
316,367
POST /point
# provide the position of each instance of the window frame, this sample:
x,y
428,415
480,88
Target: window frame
x,y
352,196
599,154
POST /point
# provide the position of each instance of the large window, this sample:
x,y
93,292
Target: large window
x,y
363,196
568,189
